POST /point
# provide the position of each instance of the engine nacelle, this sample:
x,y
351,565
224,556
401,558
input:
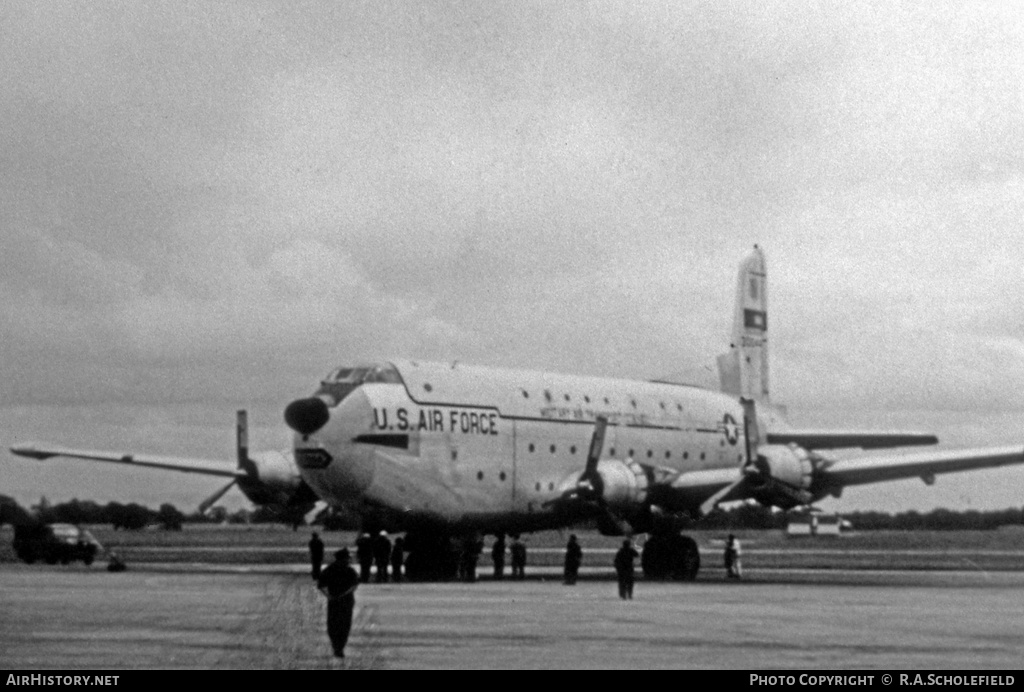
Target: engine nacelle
x,y
625,484
782,475
277,479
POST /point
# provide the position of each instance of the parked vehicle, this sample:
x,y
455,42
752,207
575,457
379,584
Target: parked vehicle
x,y
53,543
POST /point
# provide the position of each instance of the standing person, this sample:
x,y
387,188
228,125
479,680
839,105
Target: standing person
x,y
338,582
397,559
733,569
382,555
316,554
498,555
364,553
624,568
471,549
573,558
518,558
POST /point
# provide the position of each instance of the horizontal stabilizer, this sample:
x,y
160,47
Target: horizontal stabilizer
x,y
206,467
877,468
835,439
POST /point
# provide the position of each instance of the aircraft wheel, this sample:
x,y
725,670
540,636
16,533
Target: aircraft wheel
x,y
686,558
670,556
653,558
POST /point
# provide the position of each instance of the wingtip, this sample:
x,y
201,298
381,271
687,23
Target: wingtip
x,y
30,450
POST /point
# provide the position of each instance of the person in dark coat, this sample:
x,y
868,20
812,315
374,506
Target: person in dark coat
x,y
498,555
471,549
397,559
338,582
382,555
364,553
316,554
518,551
573,558
624,568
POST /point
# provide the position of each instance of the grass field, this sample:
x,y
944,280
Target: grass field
x,y
271,544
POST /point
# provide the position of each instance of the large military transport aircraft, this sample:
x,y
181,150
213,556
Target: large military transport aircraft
x,y
446,450
268,479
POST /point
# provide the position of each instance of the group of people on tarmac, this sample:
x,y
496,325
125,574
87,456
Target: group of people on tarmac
x,y
379,550
338,581
517,555
625,556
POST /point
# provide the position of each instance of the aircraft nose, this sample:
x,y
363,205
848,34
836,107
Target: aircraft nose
x,y
306,416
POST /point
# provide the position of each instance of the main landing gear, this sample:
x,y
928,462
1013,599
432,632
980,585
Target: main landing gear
x,y
431,557
670,556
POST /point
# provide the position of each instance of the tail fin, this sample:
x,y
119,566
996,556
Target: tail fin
x,y
743,371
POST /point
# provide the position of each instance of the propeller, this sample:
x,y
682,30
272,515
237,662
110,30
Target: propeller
x,y
589,486
589,489
749,471
246,468
209,502
735,487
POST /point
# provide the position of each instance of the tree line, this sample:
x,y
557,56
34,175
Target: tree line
x,y
755,516
133,516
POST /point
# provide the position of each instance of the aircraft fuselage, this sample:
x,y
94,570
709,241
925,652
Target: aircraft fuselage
x,y
491,449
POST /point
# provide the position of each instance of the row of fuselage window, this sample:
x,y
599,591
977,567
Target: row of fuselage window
x,y
502,476
650,452
548,397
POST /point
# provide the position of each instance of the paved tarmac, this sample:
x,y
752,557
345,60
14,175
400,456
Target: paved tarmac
x,y
88,619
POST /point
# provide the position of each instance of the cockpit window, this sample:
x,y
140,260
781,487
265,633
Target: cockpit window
x,y
341,381
383,373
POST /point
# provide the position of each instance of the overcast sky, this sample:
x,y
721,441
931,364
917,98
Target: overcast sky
x,y
209,205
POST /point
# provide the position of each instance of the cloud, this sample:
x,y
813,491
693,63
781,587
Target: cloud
x,y
207,192
201,206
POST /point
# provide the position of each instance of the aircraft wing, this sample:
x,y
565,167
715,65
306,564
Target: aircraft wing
x,y
702,490
694,487
925,465
206,467
839,439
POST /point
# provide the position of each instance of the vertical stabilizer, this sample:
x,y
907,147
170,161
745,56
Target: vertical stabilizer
x,y
743,371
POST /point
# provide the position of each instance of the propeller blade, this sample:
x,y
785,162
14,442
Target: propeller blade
x,y
710,503
242,436
596,444
242,444
208,502
750,471
608,524
590,480
318,509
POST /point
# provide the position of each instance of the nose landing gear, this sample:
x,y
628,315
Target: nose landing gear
x,y
670,556
431,557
